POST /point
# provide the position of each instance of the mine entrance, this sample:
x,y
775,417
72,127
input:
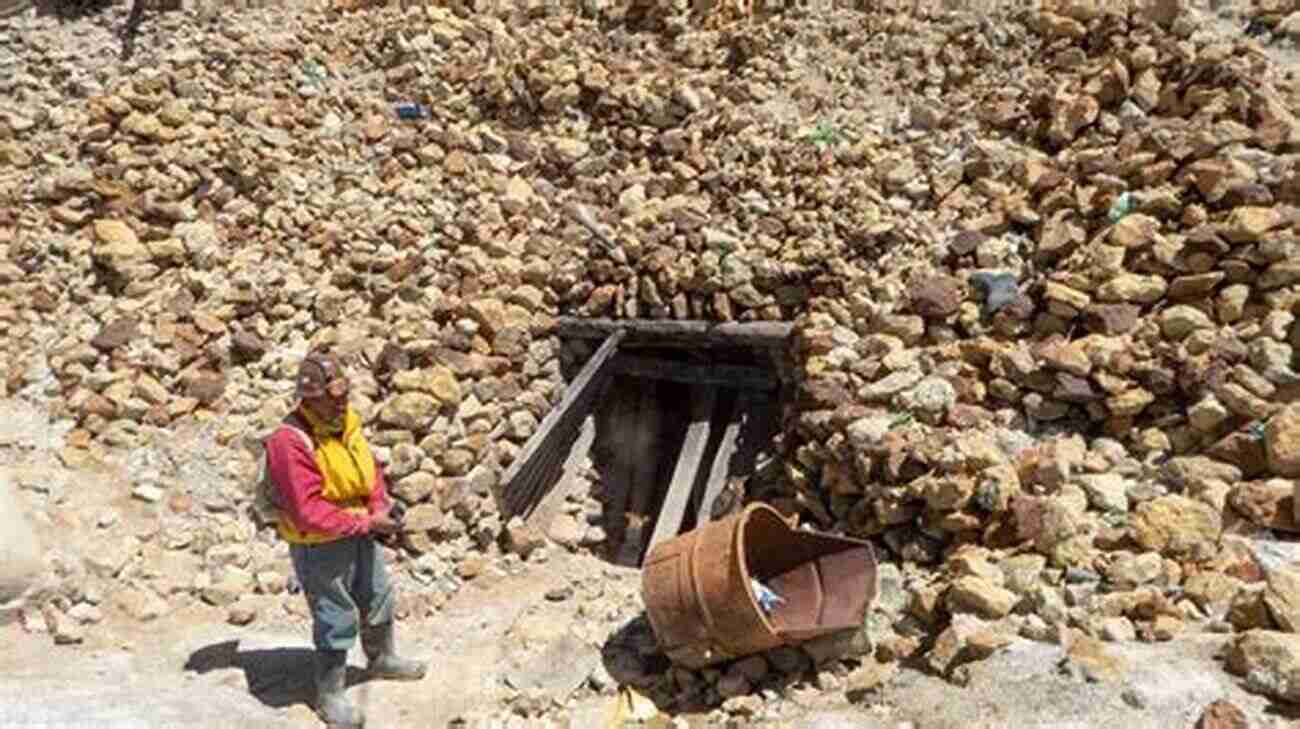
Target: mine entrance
x,y
672,418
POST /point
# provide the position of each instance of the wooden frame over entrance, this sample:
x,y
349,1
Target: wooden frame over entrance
x,y
726,405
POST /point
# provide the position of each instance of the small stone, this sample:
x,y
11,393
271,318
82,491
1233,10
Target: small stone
x,y
148,493
980,596
1177,322
1118,629
228,586
934,395
1112,319
116,334
745,706
868,677
1023,572
271,582
1213,592
248,346
86,614
474,565
1167,627
1270,662
141,604
1091,658
1248,224
242,612
1208,414
1282,441
1222,714
566,530
1177,526
1131,288
936,296
1269,504
63,628
522,538
1282,596
1133,697
1107,492
559,594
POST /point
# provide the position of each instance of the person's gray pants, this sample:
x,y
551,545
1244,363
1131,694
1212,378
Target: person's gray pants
x,y
346,583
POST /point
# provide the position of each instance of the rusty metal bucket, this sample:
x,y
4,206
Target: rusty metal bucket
x,y
701,603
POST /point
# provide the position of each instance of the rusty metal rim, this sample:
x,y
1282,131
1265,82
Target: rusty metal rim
x,y
709,621
746,577
738,557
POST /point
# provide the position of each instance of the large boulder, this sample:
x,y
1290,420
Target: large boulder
x,y
20,551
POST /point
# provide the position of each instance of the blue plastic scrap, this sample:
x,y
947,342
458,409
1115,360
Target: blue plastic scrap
x,y
999,289
767,598
410,110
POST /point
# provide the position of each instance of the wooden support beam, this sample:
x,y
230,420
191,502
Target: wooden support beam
x,y
556,431
719,375
679,332
617,482
546,472
550,502
761,424
720,471
642,449
678,496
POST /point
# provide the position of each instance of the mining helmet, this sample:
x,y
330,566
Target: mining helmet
x,y
321,374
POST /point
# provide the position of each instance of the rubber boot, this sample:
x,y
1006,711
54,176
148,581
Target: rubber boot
x,y
377,642
332,705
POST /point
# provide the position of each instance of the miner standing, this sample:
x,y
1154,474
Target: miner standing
x,y
333,502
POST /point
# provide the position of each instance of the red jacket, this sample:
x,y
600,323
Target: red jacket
x,y
293,467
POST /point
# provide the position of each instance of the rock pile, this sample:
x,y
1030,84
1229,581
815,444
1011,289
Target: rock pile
x,y
1099,448
1279,18
1040,262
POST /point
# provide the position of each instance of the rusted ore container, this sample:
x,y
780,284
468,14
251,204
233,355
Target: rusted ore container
x,y
701,603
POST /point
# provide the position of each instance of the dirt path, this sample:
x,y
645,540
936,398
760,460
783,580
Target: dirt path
x,y
190,668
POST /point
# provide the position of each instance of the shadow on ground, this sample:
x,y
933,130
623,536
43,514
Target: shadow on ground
x,y
278,677
632,656
1277,709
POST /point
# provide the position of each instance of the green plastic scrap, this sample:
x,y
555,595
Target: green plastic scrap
x,y
1123,205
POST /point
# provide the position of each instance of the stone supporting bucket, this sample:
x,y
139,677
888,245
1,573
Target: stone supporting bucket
x,y
700,599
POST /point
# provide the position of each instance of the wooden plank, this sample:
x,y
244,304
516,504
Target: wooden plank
x,y
560,423
759,429
678,496
543,478
618,474
720,471
550,502
679,332
582,215
546,470
719,375
574,463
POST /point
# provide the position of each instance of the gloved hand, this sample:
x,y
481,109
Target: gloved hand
x,y
388,522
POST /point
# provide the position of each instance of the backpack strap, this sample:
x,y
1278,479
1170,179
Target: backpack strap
x,y
294,422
